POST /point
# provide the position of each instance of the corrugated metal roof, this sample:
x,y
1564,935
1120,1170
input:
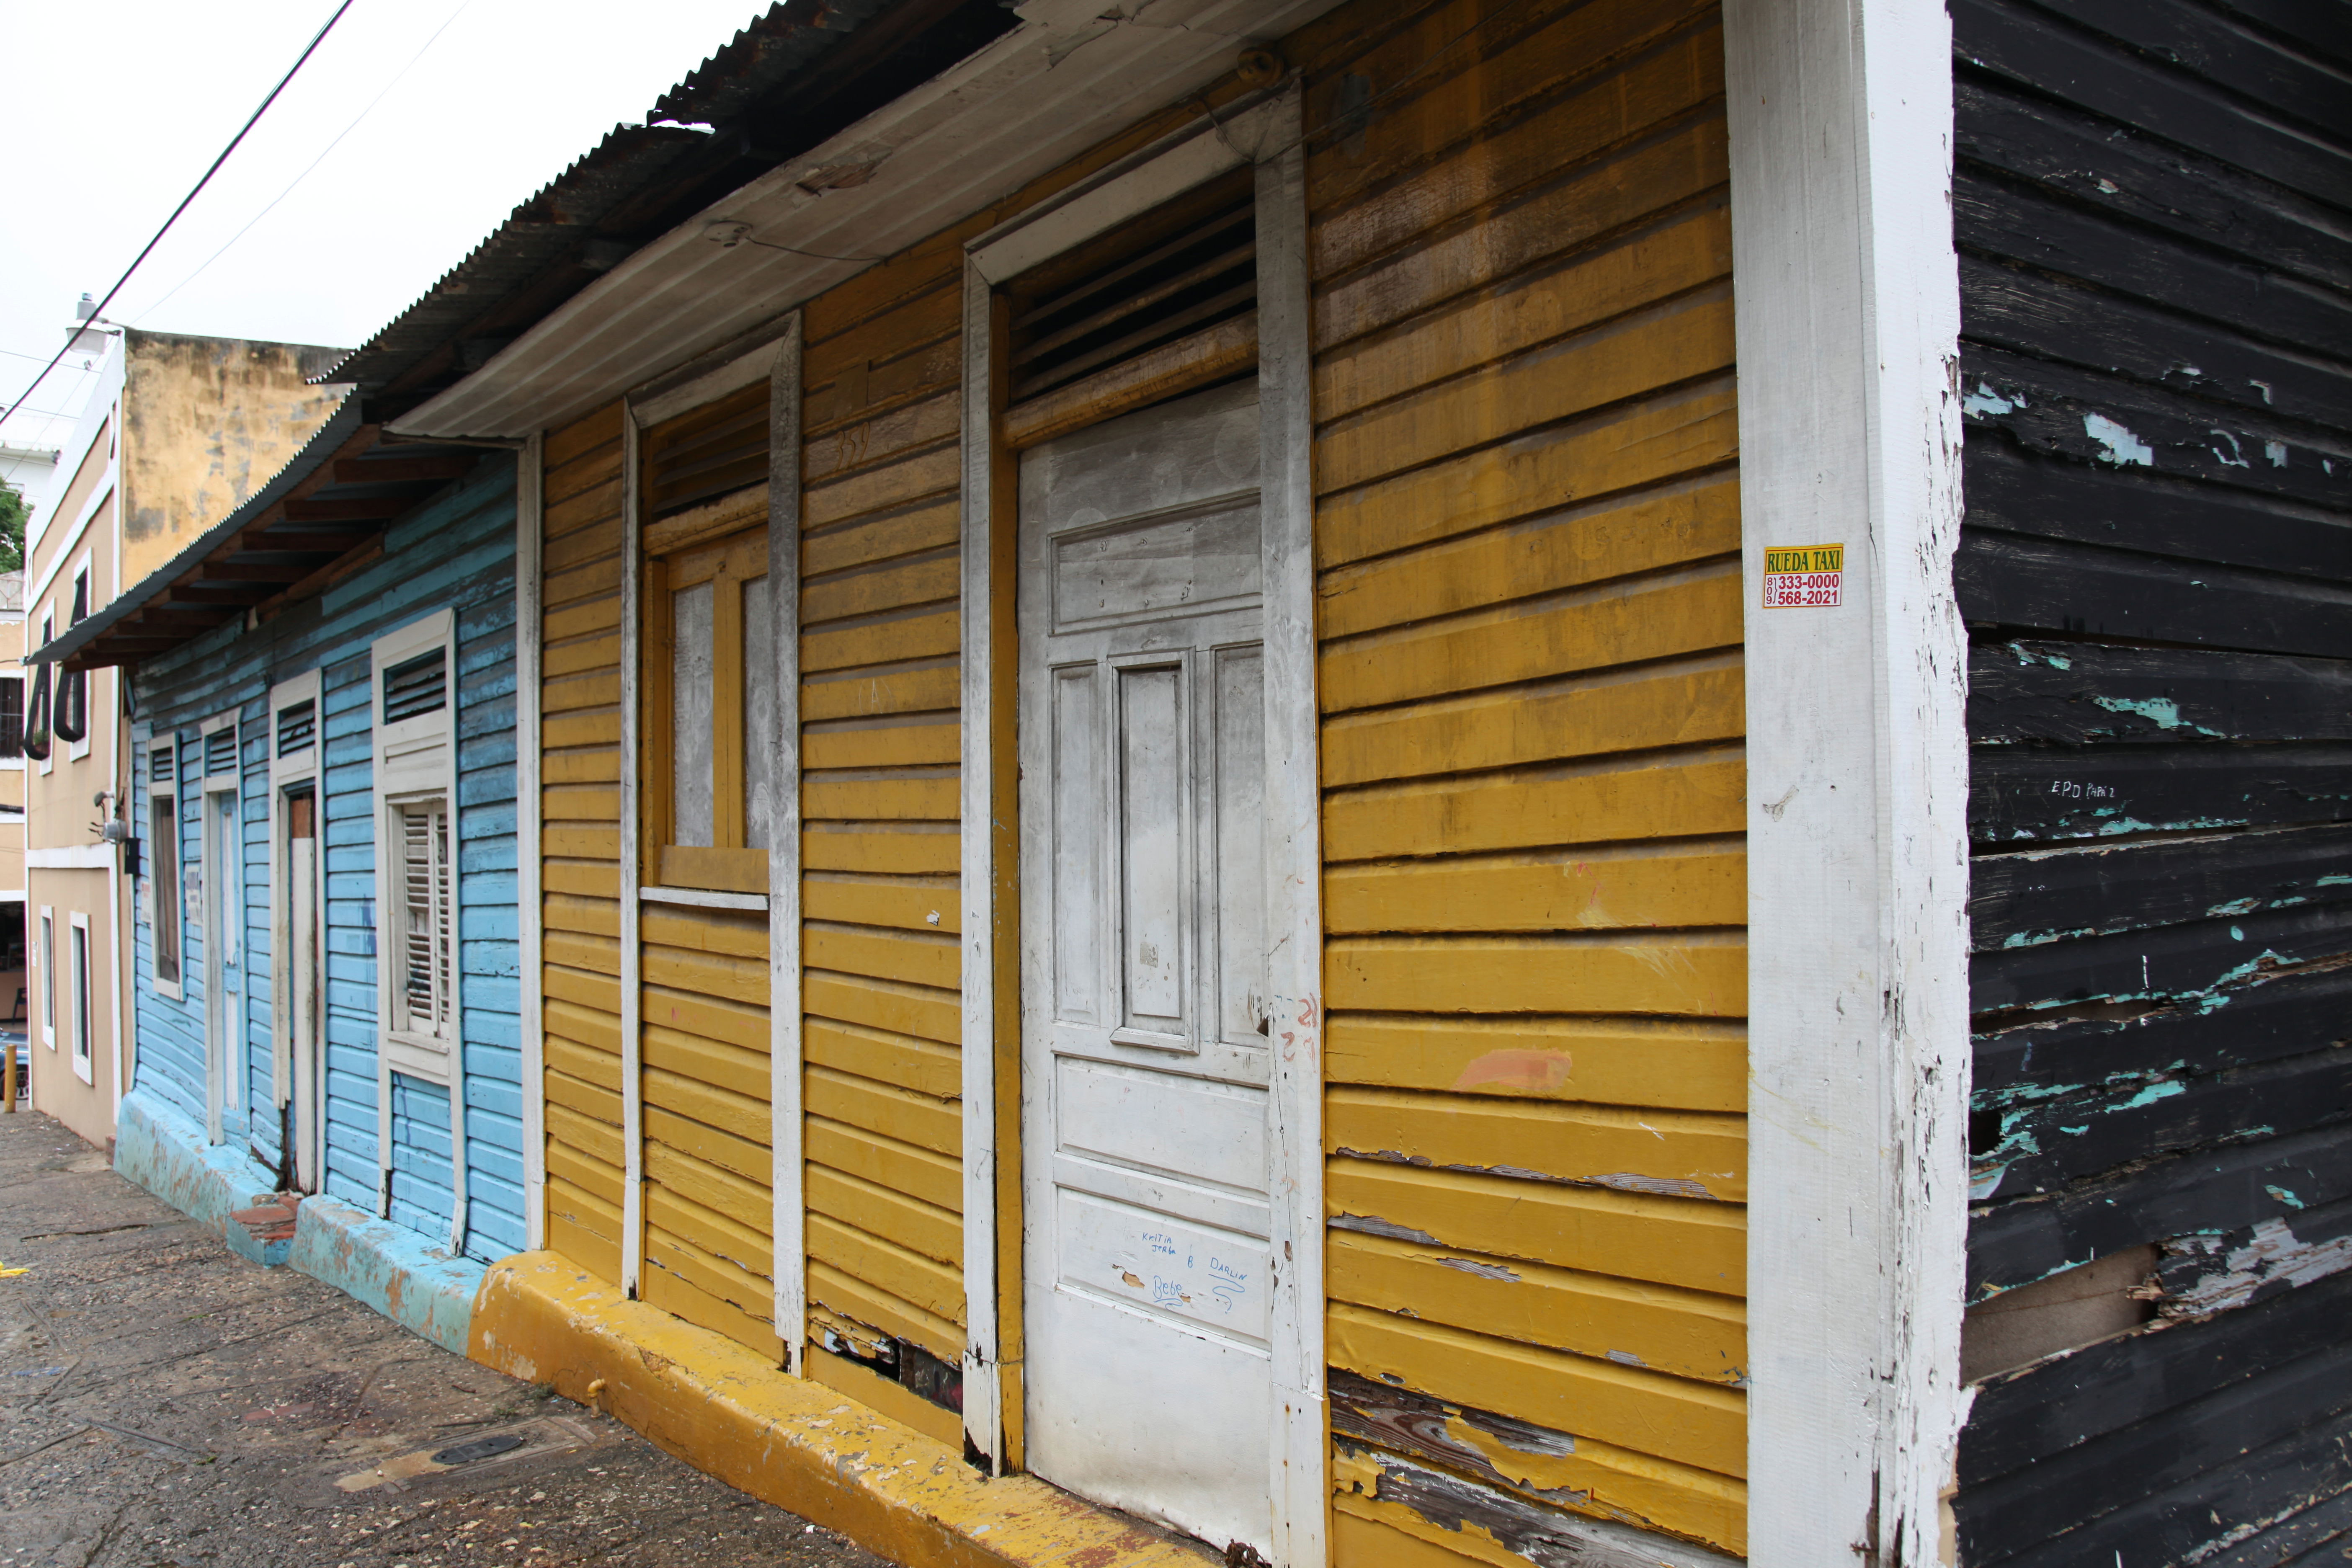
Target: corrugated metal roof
x,y
768,49
1070,77
556,218
760,99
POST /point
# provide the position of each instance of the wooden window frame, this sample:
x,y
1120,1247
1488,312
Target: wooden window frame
x,y
771,353
728,864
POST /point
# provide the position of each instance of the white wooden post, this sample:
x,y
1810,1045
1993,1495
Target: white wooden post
x,y
531,532
1841,120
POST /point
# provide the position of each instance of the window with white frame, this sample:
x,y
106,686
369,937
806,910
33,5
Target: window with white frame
x,y
165,893
82,1027
416,859
48,978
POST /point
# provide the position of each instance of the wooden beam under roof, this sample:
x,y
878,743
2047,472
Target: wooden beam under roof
x,y
404,470
355,509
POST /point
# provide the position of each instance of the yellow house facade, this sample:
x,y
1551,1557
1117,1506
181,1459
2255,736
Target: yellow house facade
x,y
1138,780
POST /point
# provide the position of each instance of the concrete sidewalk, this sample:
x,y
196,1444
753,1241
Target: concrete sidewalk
x,y
164,1401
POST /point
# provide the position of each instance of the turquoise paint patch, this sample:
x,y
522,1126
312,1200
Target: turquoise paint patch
x,y
2156,709
164,1152
1984,403
2283,1195
389,1268
2151,1095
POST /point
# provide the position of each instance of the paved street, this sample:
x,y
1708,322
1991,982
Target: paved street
x,y
164,1401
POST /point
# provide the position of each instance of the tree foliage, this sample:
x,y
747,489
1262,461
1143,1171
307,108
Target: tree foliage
x,y
12,530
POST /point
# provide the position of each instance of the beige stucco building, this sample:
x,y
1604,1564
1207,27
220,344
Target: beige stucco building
x,y
178,431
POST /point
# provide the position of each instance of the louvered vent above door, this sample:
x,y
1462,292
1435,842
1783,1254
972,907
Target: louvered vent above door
x,y
707,453
427,919
297,727
1163,304
220,751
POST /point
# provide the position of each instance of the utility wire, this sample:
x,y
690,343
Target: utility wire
x,y
308,49
305,174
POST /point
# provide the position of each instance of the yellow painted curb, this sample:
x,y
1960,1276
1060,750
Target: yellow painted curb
x,y
794,1443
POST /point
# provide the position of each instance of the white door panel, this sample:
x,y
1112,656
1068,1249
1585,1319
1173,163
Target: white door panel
x,y
1148,1274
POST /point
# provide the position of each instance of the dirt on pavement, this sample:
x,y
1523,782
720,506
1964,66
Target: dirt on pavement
x,y
165,1403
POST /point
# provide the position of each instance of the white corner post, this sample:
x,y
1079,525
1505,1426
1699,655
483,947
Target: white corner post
x,y
785,1050
1848,320
530,533
633,1087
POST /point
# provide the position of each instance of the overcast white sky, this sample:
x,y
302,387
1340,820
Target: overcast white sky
x,y
115,107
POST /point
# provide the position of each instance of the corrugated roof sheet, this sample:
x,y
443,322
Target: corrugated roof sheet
x,y
785,41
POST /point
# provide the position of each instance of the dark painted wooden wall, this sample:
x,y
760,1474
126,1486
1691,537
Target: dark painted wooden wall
x,y
2154,211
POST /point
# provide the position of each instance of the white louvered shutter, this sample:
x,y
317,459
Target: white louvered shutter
x,y
428,941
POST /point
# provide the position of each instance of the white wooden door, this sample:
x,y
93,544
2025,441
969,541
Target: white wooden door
x,y
1144,1070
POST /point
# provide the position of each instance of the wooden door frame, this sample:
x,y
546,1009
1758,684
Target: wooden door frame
x,y
1265,134
287,774
217,1091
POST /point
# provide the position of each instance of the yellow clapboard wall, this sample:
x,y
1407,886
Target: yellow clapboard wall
x,y
1530,618
580,838
880,783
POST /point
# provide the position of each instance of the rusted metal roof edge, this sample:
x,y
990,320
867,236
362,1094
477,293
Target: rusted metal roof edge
x,y
340,428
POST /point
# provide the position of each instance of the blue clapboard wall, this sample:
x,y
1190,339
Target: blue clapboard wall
x,y
455,550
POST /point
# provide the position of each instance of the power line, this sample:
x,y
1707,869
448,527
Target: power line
x,y
308,50
305,174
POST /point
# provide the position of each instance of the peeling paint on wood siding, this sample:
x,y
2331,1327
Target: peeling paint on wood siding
x,y
1527,536
2157,303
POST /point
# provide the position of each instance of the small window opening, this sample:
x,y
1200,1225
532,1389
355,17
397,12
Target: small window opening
x,y
417,686
298,727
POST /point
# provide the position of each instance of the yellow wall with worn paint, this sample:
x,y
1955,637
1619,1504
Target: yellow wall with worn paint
x,y
580,838
1527,536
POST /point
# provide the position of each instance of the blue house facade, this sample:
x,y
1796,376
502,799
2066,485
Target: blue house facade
x,y
324,789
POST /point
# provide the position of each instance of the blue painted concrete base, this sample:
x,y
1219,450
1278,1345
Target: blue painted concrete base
x,y
163,1152
390,1268
387,1267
